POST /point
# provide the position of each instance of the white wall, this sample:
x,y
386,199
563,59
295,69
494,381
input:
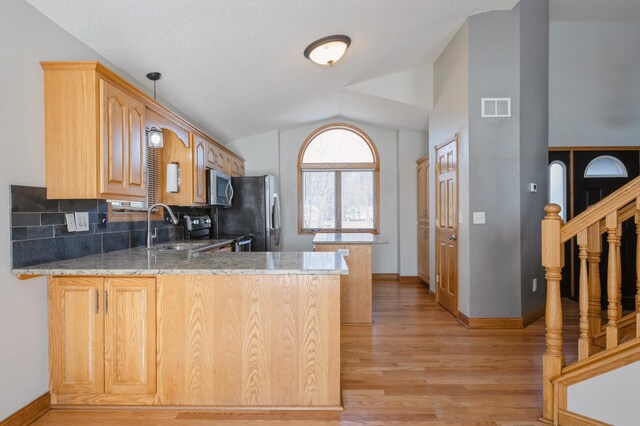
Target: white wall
x,y
411,146
611,397
594,83
398,150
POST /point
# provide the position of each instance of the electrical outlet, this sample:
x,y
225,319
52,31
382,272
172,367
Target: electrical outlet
x,y
535,285
82,221
70,219
344,252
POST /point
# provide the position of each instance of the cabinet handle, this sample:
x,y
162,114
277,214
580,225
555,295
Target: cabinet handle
x,y
97,302
106,302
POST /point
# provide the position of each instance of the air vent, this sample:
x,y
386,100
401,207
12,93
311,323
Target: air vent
x,y
496,107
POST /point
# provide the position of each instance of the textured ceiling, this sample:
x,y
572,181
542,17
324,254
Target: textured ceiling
x,y
594,10
236,66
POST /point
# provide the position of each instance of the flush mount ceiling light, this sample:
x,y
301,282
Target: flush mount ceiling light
x,y
155,138
327,50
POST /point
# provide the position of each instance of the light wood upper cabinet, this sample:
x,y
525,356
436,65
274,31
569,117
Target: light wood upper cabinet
x,y
130,335
212,155
423,190
76,336
122,143
102,340
199,170
137,148
95,145
237,167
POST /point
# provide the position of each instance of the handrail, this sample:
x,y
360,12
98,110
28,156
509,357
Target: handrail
x,y
624,214
613,202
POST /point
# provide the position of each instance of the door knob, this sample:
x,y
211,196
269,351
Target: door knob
x,y
452,238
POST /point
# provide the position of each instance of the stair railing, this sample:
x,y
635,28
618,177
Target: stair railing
x,y
605,217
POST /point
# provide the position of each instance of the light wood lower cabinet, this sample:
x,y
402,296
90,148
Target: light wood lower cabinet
x,y
423,252
356,293
102,340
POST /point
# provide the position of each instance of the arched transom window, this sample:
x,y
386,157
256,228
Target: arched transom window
x,y
338,181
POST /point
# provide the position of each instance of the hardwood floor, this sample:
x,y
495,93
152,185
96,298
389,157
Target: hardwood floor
x,y
416,366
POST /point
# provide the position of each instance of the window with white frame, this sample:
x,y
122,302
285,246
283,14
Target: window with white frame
x,y
338,181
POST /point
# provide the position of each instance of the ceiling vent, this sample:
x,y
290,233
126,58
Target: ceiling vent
x,y
496,107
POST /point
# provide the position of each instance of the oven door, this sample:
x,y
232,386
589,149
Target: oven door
x,y
219,189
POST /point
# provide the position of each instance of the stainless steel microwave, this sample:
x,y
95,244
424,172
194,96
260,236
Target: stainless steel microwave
x,y
219,189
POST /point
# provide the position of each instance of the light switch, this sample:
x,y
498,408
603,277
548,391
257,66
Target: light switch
x,y
533,187
82,221
478,218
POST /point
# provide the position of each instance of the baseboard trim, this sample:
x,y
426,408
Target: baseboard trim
x,y
410,279
385,277
568,418
501,323
30,412
533,316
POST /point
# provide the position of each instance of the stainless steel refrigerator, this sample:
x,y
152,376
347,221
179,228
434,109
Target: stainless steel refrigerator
x,y
255,209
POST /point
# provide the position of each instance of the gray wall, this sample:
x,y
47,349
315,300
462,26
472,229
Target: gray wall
x,y
534,134
594,83
494,72
26,38
450,115
499,157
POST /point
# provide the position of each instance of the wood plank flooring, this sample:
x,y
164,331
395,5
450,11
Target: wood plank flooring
x,y
416,366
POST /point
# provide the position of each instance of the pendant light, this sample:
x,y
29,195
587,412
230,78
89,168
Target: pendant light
x,y
327,50
154,135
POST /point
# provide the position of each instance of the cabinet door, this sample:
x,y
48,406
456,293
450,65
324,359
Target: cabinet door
x,y
137,148
221,164
212,156
423,191
76,344
242,172
199,168
423,252
114,146
130,335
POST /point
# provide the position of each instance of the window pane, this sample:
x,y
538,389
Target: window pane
x,y
357,200
338,146
319,200
605,166
558,186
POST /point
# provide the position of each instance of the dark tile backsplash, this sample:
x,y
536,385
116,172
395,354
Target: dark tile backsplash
x,y
39,233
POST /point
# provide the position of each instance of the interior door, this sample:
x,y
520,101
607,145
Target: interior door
x,y
447,225
76,336
130,335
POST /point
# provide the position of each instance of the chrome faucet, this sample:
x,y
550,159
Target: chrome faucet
x,y
151,236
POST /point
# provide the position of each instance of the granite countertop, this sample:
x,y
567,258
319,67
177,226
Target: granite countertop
x,y
347,238
139,261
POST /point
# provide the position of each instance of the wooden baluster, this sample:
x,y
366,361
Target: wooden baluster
x,y
584,342
612,280
619,266
638,267
594,249
553,261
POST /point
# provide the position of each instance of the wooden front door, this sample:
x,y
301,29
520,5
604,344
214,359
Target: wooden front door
x,y
447,225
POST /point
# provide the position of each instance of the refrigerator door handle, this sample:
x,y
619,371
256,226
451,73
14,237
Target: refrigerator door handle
x,y
275,218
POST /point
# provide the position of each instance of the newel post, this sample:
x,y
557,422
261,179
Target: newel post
x,y
553,262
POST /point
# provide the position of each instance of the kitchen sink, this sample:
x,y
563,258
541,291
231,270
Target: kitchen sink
x,y
181,246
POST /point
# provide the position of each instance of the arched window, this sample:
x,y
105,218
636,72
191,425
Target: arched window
x,y
605,166
338,181
558,186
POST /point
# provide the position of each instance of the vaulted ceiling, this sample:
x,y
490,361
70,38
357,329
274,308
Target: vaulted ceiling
x,y
235,67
